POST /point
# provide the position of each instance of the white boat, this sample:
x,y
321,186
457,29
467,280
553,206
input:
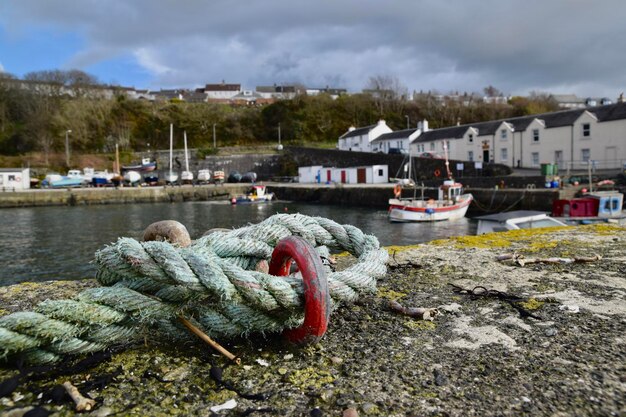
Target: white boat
x,y
171,177
257,194
102,178
186,176
515,220
88,174
132,177
451,203
204,175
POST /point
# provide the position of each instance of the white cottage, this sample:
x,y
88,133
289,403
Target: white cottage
x,y
14,179
571,137
360,139
373,174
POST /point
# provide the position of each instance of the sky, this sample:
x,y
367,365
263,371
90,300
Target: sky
x,y
518,46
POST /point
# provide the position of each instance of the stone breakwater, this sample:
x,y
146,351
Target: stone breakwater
x,y
549,340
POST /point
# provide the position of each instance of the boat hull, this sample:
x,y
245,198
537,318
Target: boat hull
x,y
420,211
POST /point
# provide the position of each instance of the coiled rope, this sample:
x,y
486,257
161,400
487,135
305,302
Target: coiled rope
x,y
213,282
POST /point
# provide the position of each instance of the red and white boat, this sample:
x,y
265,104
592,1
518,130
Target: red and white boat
x,y
451,203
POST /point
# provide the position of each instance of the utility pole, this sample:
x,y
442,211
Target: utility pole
x,y
280,146
214,140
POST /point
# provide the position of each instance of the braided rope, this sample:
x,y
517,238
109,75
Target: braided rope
x,y
213,281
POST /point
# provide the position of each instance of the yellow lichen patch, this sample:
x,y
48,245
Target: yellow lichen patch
x,y
604,229
495,240
3,312
389,294
220,396
395,248
310,377
532,304
419,325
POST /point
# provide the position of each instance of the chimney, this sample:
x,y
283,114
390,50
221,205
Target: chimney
x,y
381,122
458,121
351,128
424,125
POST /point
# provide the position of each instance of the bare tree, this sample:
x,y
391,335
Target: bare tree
x,y
384,89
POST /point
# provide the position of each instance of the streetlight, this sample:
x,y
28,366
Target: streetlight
x,y
67,147
408,125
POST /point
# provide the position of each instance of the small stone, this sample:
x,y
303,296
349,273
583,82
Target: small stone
x,y
288,357
262,362
336,360
316,412
440,378
551,332
282,371
350,412
178,374
369,408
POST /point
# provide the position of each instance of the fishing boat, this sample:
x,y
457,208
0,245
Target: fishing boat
x,y
592,207
171,177
101,178
256,194
515,220
186,176
151,178
218,176
132,177
204,176
74,178
452,202
147,165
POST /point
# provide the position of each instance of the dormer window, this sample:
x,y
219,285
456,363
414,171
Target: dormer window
x,y
586,130
535,135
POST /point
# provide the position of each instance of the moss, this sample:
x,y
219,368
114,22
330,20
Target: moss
x,y
419,325
532,304
310,377
495,240
390,294
3,312
603,229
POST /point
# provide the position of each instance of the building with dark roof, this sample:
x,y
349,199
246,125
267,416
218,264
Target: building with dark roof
x,y
572,138
360,139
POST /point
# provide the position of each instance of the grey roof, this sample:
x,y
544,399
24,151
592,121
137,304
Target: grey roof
x,y
222,87
398,134
12,169
606,113
357,132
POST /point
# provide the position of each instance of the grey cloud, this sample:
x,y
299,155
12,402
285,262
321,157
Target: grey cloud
x,y
517,45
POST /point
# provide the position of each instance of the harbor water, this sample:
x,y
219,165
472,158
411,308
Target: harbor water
x,y
58,243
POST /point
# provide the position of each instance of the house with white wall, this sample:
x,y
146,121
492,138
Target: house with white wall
x,y
360,139
373,174
14,179
570,137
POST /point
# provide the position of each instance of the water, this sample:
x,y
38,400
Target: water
x,y
52,243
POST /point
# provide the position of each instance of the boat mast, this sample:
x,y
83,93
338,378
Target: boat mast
x,y
116,168
445,153
186,159
171,145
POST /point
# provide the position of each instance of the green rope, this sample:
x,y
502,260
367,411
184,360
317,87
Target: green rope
x,y
147,285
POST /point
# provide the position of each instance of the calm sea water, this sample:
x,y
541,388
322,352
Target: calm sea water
x,y
53,243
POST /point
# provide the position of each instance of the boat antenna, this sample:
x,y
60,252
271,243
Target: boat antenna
x,y
445,153
186,158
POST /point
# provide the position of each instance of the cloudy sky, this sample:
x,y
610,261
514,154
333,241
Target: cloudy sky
x,y
518,46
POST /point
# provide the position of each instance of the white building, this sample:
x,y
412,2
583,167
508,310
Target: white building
x,y
400,140
14,179
571,137
374,174
360,139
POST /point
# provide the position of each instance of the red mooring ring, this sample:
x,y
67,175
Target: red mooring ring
x,y
316,296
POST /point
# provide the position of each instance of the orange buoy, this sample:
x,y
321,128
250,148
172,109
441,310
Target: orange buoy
x,y
397,190
437,173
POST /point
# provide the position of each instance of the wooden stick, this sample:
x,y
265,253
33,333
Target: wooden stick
x,y
82,403
209,341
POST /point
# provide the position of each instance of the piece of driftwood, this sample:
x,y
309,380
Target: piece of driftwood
x,y
82,403
421,313
521,260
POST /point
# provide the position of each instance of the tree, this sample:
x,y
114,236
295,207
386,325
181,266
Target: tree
x,y
491,91
385,89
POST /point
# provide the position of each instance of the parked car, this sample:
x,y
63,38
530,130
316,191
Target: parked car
x,y
431,155
397,151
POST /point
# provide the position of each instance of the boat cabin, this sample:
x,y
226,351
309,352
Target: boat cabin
x,y
601,204
450,191
515,220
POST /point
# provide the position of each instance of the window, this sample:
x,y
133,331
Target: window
x,y
535,158
503,155
558,157
11,178
585,155
470,155
432,146
470,138
503,134
586,130
535,135
380,172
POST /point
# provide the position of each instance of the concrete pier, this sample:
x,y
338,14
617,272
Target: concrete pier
x,y
357,195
